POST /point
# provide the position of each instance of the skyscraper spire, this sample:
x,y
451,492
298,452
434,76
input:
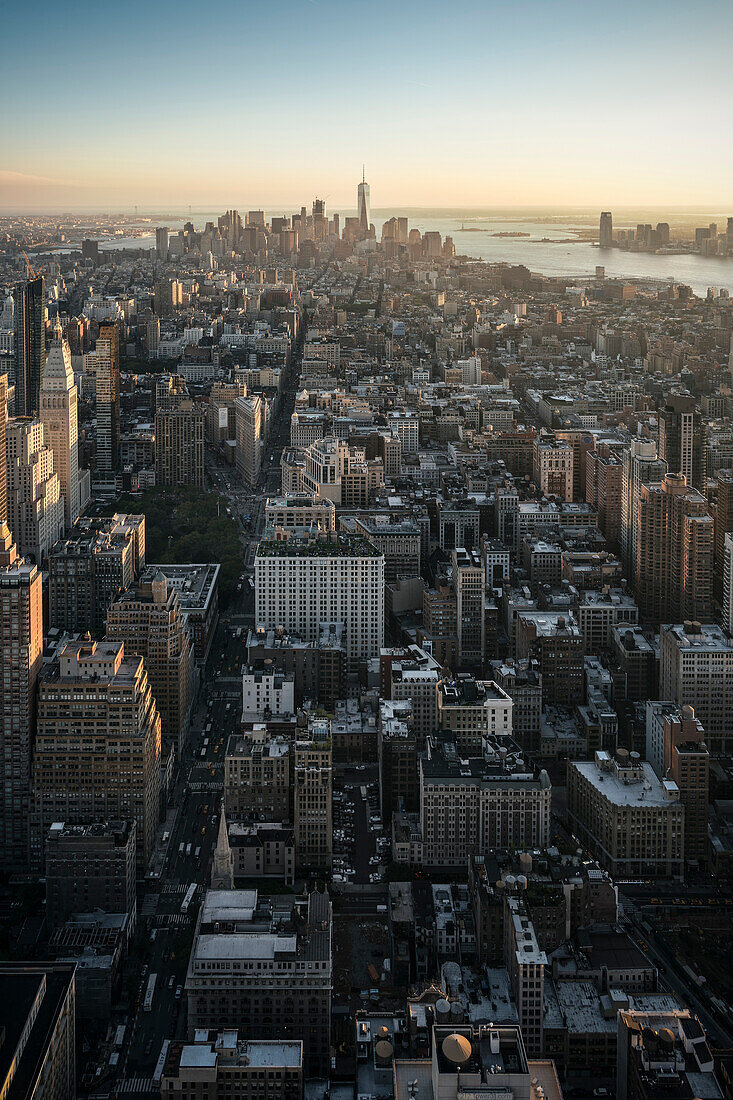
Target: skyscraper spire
x,y
222,869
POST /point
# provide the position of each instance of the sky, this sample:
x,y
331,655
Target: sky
x,y
482,104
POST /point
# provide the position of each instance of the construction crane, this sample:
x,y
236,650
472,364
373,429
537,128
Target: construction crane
x,y
31,273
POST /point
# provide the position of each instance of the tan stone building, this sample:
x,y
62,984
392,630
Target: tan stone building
x,y
179,444
97,752
632,822
149,620
257,777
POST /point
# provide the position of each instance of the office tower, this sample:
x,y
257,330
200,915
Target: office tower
x,y
161,242
179,444
21,652
397,750
274,953
723,520
38,1026
107,361
257,777
696,668
92,565
220,416
662,233
640,467
249,427
30,344
673,573
686,763
629,819
526,963
88,868
312,796
149,620
604,490
472,710
658,1053
470,806
97,753
35,507
682,439
58,413
363,206
728,583
197,588
557,644
397,538
605,237
152,336
301,582
552,466
469,585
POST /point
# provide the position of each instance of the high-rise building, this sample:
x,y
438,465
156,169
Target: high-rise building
x,y
312,797
249,421
30,344
179,444
723,519
686,763
553,461
627,817
470,806
682,439
673,571
38,1026
257,777
605,236
35,507
98,560
274,953
21,653
469,585
301,582
107,365
696,668
472,710
149,620
640,467
90,867
58,412
363,206
161,242
728,582
97,750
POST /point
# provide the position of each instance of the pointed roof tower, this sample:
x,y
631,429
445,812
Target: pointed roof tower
x,y
222,869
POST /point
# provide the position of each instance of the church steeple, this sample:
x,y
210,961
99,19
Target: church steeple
x,y
222,869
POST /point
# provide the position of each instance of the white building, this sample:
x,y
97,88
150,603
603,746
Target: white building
x,y
35,505
265,694
58,412
303,582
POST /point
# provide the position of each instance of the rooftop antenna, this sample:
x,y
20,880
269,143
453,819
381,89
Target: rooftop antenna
x,y
363,177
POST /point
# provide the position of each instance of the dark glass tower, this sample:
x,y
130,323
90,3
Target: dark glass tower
x,y
30,345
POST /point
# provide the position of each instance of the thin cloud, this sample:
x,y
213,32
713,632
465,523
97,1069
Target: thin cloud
x,y
10,178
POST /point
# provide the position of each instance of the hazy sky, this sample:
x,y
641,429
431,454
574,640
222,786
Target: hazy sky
x,y
488,103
